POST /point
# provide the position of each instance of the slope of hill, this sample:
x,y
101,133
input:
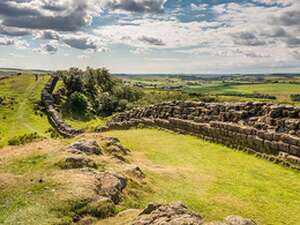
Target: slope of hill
x,y
17,114
48,182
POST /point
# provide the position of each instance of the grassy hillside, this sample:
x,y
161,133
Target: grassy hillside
x,y
212,179
17,116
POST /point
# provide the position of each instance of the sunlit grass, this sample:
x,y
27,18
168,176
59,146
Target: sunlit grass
x,y
20,118
212,179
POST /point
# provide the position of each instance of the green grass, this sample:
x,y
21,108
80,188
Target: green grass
x,y
280,90
20,119
212,179
26,165
28,203
88,125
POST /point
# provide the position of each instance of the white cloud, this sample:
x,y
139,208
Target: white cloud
x,y
166,34
138,6
17,43
47,49
280,2
237,34
198,7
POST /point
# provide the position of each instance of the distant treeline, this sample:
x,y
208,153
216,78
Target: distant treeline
x,y
250,95
295,97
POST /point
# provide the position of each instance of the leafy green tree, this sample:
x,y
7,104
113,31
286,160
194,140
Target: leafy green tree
x,y
78,102
96,91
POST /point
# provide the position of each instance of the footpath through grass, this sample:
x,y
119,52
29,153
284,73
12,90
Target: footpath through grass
x,y
212,179
18,116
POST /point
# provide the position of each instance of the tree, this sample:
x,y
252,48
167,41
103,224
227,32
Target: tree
x,y
78,103
96,91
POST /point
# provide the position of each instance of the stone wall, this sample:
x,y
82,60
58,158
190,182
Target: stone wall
x,y
53,116
267,130
4,77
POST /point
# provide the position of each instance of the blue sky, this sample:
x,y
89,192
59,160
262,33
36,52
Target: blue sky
x,y
152,36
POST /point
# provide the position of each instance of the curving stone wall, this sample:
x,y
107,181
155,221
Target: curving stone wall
x,y
53,115
267,130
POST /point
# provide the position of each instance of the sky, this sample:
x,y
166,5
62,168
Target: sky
x,y
152,36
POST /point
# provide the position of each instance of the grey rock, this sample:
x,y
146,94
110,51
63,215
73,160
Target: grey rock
x,y
74,162
237,220
86,146
111,185
173,214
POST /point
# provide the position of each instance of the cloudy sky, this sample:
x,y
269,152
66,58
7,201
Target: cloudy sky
x,y
152,36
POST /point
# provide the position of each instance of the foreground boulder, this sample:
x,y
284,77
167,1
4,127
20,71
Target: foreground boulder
x,y
174,214
113,146
237,220
135,171
111,186
178,214
88,147
233,220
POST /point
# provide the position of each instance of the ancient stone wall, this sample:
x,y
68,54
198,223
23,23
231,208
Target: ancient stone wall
x,y
4,77
53,116
267,130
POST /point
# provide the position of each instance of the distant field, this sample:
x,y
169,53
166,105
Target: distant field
x,y
280,90
19,118
212,179
280,86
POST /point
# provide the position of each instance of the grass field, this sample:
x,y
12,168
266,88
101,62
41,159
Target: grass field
x,y
212,179
19,118
89,125
280,90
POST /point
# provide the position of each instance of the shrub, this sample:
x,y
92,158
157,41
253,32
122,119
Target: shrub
x,y
78,102
250,95
101,208
295,97
53,133
24,139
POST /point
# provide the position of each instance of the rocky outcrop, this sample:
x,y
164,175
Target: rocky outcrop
x,y
53,116
88,147
135,171
111,186
270,131
113,146
178,214
100,189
